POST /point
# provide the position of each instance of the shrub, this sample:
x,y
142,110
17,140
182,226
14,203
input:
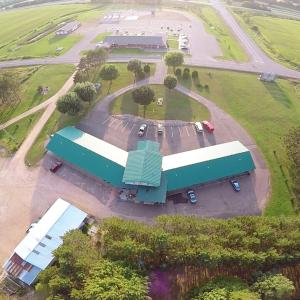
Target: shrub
x,y
178,72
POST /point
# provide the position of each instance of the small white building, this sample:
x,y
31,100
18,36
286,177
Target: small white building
x,y
68,28
34,253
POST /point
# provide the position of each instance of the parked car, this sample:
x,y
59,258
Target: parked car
x,y
192,197
160,129
56,166
142,129
198,127
208,126
235,185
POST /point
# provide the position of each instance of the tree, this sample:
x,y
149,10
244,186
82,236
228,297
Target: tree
x,y
109,73
174,59
134,66
186,73
110,281
10,89
86,91
147,69
81,76
95,57
170,82
69,103
143,96
274,287
75,258
195,75
178,72
224,288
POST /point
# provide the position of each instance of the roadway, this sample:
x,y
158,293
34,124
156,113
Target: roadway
x,y
259,61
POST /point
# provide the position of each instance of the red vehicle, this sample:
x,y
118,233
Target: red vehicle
x,y
56,166
208,126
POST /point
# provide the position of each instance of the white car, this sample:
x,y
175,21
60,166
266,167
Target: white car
x,y
142,129
198,127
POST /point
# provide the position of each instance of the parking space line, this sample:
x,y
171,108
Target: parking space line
x,y
131,128
118,124
187,131
179,131
194,131
105,120
172,134
112,122
124,127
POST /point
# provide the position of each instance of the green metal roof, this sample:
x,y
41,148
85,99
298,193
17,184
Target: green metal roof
x,y
89,154
151,195
208,164
144,165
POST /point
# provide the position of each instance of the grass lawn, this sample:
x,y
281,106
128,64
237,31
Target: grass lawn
x,y
44,47
20,26
53,76
58,120
279,38
100,37
213,23
173,42
267,111
12,137
176,106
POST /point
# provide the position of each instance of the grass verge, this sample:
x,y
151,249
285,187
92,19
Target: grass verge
x,y
12,137
32,77
266,111
176,106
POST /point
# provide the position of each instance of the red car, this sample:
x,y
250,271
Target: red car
x,y
208,126
56,166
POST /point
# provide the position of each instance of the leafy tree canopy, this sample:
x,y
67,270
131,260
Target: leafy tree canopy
x,y
274,287
174,59
109,72
86,91
110,281
69,103
170,82
143,95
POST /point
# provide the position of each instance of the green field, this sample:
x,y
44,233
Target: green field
x,y
267,111
45,47
53,76
176,106
58,121
12,137
29,32
279,38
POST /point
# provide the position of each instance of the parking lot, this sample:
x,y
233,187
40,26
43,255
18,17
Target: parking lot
x,y
169,23
122,131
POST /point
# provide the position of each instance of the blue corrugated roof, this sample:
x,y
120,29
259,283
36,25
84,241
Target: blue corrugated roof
x,y
37,246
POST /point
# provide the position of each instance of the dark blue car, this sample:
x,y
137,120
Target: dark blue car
x,y
192,197
235,184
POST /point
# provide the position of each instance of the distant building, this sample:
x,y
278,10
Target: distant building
x,y
34,252
135,41
144,172
68,28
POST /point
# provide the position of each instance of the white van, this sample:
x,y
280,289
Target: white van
x,y
198,127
